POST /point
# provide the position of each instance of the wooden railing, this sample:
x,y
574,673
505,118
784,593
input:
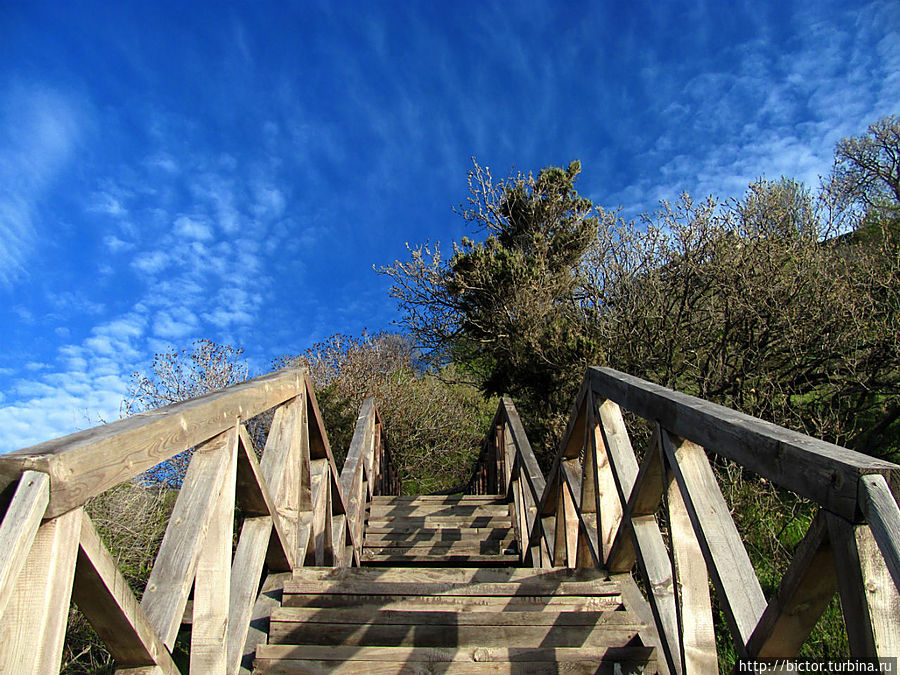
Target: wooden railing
x,y
600,507
368,470
507,466
291,500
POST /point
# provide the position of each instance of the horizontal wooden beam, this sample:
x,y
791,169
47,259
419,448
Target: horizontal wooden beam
x,y
826,473
89,462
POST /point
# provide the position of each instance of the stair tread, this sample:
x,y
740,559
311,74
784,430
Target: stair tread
x,y
440,534
440,499
450,617
437,510
458,603
461,635
427,574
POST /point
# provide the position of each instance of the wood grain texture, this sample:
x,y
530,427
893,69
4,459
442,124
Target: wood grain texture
x,y
698,637
246,571
656,570
89,462
19,527
173,572
34,623
826,473
869,599
106,600
212,581
740,595
883,515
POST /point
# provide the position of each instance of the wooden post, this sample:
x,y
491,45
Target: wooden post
x,y
34,623
19,527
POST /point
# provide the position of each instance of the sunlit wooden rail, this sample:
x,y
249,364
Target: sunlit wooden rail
x,y
664,518
293,514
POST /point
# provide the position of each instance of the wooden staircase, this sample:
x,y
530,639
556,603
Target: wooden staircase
x,y
411,619
470,530
603,564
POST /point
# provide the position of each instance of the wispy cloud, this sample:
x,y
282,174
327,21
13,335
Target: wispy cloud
x,y
39,131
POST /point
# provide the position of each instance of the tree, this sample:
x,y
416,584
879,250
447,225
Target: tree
x,y
510,309
867,168
433,423
178,376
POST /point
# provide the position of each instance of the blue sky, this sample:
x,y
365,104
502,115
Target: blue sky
x,y
232,171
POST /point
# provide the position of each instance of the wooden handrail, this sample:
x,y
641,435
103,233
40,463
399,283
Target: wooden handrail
x,y
507,466
599,508
368,470
292,503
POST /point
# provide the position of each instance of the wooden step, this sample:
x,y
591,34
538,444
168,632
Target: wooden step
x,y
452,620
413,588
277,659
377,511
441,560
426,522
444,629
440,499
450,575
488,547
375,535
529,603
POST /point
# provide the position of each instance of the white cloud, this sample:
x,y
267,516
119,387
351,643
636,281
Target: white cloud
x,y
151,263
116,245
106,203
87,382
192,228
39,130
174,325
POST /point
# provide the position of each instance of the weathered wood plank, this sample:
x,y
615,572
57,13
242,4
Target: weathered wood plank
x,y
741,597
424,500
696,628
461,635
472,603
883,515
869,600
89,462
382,511
519,589
619,452
634,602
34,623
448,616
246,571
399,524
656,569
374,536
463,576
104,597
19,527
531,468
806,588
176,563
372,655
212,581
826,473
